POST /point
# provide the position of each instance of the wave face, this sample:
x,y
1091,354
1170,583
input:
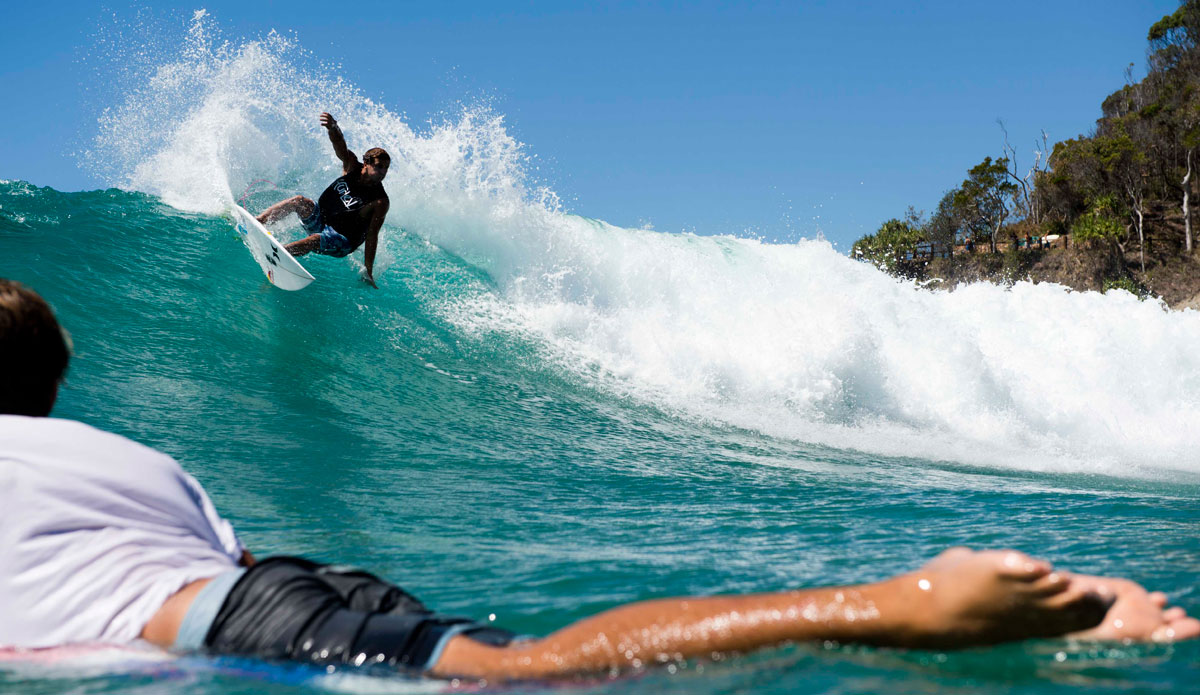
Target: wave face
x,y
793,341
541,415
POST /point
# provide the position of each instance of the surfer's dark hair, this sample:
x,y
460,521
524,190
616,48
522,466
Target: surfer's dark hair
x,y
377,155
34,352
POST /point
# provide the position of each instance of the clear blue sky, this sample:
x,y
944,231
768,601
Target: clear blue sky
x,y
778,119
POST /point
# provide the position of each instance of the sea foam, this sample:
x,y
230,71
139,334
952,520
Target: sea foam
x,y
795,341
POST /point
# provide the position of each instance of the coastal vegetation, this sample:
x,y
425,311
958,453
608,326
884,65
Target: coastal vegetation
x,y
1110,209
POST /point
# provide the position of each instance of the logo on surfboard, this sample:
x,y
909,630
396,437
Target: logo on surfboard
x,y
277,264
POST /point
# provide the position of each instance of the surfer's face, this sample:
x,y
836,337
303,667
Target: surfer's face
x,y
373,172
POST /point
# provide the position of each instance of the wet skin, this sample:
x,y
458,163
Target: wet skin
x,y
959,599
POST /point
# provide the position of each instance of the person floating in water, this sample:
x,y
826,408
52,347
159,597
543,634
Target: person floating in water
x,y
349,213
106,540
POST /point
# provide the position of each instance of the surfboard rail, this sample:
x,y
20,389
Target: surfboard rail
x,y
280,267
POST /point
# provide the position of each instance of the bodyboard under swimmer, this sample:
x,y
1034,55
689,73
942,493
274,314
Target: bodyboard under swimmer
x,y
280,267
139,661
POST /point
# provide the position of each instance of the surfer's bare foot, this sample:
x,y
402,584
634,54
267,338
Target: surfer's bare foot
x,y
963,598
1137,615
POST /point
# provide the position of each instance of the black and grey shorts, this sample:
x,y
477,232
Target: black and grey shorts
x,y
293,609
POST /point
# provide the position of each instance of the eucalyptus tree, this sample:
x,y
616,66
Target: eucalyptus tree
x,y
983,200
944,224
1028,203
1129,168
1173,60
1106,169
1102,223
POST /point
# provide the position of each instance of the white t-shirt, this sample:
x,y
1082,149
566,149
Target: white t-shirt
x,y
96,533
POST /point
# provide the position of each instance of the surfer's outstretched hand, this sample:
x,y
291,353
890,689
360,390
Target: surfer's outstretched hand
x,y
366,277
328,121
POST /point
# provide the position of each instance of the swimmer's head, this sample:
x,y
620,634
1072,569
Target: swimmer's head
x,y
34,351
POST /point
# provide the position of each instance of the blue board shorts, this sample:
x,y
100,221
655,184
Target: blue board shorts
x,y
332,243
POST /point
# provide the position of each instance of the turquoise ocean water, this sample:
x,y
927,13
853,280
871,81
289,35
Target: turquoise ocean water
x,y
540,416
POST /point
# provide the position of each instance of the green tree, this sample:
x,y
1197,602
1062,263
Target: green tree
x,y
888,247
1063,191
1173,77
1173,39
1145,143
1090,177
944,224
1125,166
1102,223
984,199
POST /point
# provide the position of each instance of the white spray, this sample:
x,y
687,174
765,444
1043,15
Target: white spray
x,y
795,341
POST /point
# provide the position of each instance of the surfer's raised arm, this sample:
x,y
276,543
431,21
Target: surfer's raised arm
x,y
349,159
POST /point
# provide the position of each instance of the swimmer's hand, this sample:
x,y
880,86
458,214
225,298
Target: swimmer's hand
x,y
328,121
963,598
1137,615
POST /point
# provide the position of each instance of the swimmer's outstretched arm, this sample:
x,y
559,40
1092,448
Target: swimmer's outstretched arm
x,y
959,599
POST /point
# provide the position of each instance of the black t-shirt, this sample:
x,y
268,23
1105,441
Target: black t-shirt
x,y
341,206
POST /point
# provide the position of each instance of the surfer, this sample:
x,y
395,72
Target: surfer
x,y
349,213
105,540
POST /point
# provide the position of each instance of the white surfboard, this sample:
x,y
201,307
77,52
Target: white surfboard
x,y
284,271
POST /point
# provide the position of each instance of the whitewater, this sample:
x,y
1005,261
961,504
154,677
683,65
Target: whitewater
x,y
794,341
551,414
